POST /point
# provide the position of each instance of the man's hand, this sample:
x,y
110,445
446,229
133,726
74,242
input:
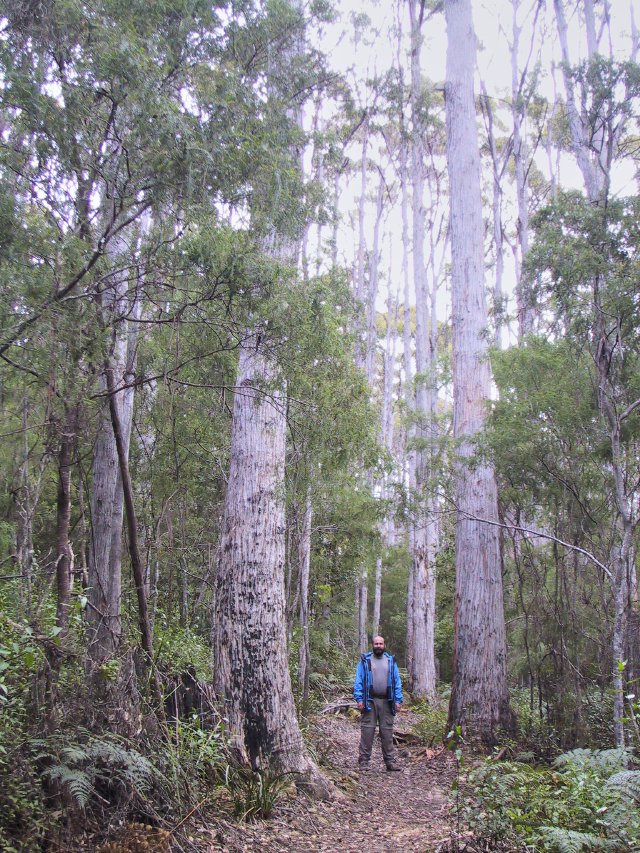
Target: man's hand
x,y
360,706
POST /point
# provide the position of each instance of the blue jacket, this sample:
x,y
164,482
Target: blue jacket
x,y
364,682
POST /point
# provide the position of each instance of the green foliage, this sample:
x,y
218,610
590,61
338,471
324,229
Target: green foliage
x,y
255,793
96,770
198,754
181,649
603,761
569,841
432,722
585,803
24,821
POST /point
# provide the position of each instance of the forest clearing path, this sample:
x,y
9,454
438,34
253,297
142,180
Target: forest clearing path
x,y
379,812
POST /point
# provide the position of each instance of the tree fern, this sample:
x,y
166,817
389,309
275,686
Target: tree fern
x,y
557,840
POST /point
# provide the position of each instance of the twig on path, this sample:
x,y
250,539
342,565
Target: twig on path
x,y
188,815
339,705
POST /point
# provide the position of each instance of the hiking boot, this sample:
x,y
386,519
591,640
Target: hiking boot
x,y
363,766
394,768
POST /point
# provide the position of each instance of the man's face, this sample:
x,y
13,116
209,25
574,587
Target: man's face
x,y
378,646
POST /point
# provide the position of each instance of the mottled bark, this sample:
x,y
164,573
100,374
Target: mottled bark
x,y
251,666
479,698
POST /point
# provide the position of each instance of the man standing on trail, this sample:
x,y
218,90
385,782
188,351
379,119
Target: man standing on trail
x,y
377,690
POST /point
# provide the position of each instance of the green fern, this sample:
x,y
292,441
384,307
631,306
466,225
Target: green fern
x,y
126,766
76,782
100,767
557,840
626,783
74,754
603,761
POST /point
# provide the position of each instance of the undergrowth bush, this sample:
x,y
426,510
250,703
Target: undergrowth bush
x,y
23,818
544,731
254,793
587,801
432,723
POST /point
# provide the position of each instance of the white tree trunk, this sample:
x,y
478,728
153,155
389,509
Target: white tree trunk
x,y
251,666
250,644
422,674
479,698
520,157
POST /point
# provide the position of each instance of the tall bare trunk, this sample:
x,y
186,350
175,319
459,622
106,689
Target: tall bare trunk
x,y
251,666
250,643
583,146
520,153
377,598
422,674
479,698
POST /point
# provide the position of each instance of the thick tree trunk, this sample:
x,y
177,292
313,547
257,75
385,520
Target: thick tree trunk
x,y
250,643
372,292
25,509
409,395
479,698
251,667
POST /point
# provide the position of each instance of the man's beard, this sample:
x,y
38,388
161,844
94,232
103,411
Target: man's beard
x,y
378,652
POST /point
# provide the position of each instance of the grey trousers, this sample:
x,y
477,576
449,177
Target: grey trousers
x,y
380,715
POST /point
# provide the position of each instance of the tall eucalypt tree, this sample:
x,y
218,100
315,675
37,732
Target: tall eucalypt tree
x,y
250,644
479,697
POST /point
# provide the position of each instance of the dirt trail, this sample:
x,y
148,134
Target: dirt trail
x,y
379,812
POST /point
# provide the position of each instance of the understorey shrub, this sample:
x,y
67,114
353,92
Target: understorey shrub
x,y
586,801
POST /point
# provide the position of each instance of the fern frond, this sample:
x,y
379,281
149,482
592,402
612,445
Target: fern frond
x,y
129,767
605,761
626,783
76,782
569,841
74,754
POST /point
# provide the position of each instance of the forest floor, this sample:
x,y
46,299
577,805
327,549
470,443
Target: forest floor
x,y
375,812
